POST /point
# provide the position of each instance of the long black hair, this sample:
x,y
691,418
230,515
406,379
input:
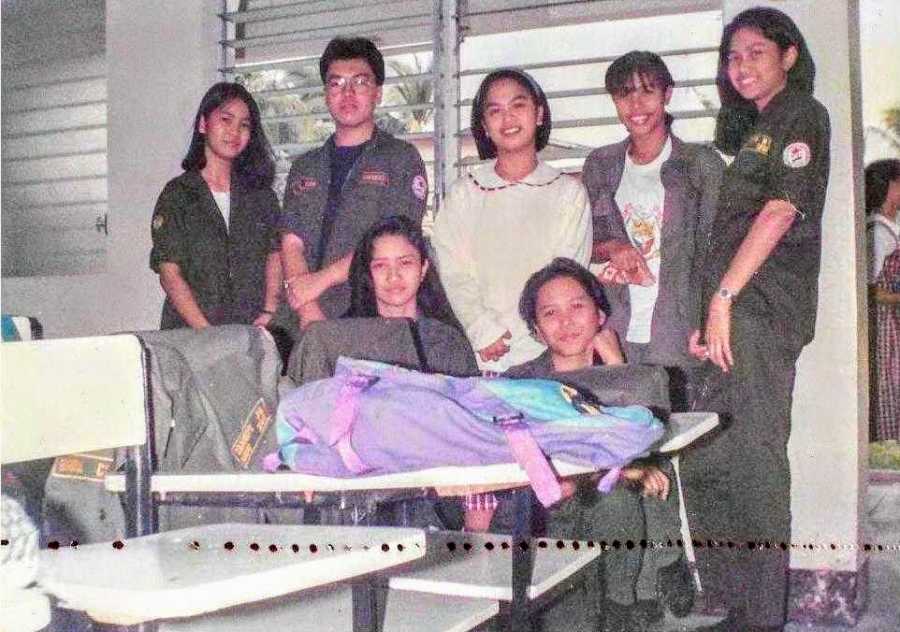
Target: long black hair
x,y
431,298
254,168
486,147
738,115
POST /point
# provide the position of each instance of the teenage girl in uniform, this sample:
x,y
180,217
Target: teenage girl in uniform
x,y
760,290
392,276
214,246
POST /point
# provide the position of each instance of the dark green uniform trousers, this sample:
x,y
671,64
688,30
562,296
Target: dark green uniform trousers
x,y
738,481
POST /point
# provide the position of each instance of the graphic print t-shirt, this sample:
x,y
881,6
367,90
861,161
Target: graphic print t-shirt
x,y
640,198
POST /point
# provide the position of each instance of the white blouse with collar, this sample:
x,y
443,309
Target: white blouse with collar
x,y
491,235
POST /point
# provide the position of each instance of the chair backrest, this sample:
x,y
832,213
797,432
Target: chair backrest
x,y
71,395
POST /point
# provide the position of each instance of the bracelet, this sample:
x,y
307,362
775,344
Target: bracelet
x,y
289,281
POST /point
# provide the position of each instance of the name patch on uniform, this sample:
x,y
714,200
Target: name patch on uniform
x,y
760,143
158,221
420,187
375,177
252,431
796,155
85,467
304,183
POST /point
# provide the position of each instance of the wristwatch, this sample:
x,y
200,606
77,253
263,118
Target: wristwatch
x,y
725,294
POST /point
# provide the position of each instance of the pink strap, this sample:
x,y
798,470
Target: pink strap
x,y
609,480
528,455
342,419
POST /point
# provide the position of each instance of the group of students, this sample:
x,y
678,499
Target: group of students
x,y
708,270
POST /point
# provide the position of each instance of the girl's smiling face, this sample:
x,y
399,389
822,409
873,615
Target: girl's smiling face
x,y
511,117
226,130
757,67
567,318
397,271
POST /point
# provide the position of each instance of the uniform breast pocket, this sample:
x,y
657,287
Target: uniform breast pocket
x,y
750,165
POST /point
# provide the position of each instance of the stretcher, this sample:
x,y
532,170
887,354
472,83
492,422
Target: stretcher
x,y
105,380
360,495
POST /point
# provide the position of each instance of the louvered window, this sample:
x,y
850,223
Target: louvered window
x,y
438,51
567,47
273,48
54,167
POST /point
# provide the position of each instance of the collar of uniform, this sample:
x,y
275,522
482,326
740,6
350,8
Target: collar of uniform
x,y
194,179
378,136
486,178
777,103
614,165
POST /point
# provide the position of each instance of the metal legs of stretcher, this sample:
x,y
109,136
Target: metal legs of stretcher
x,y
685,528
522,562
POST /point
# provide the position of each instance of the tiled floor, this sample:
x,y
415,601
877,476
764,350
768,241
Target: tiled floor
x,y
882,612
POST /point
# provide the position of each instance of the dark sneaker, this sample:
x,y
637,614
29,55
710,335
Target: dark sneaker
x,y
646,612
675,587
638,617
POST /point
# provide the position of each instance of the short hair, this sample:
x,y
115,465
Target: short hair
x,y
559,267
737,115
878,179
352,48
255,166
431,298
486,147
650,69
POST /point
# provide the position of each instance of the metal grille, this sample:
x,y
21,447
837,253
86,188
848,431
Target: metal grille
x,y
569,58
273,48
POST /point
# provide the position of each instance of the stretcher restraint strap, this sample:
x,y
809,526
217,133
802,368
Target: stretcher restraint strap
x,y
417,342
529,456
342,418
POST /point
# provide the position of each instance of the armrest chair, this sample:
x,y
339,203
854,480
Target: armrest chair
x,y
74,395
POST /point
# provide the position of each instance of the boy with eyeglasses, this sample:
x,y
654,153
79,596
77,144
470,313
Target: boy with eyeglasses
x,y
335,192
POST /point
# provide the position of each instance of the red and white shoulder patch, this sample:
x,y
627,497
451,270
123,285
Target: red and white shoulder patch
x,y
796,155
420,187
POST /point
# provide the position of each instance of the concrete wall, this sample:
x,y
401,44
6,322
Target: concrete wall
x,y
162,55
829,433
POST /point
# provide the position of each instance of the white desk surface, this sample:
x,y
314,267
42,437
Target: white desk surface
x,y
487,574
330,610
683,429
24,610
165,575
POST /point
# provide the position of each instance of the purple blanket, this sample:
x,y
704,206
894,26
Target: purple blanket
x,y
374,418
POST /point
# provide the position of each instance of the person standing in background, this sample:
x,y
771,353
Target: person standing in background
x,y
883,232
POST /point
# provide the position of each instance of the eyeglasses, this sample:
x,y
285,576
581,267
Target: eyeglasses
x,y
356,83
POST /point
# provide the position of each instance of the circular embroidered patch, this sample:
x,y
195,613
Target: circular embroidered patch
x,y
796,155
420,187
158,221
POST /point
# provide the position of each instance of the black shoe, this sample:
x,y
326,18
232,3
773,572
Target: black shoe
x,y
675,587
644,613
638,617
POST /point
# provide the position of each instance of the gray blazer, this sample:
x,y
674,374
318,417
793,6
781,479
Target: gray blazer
x,y
691,178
